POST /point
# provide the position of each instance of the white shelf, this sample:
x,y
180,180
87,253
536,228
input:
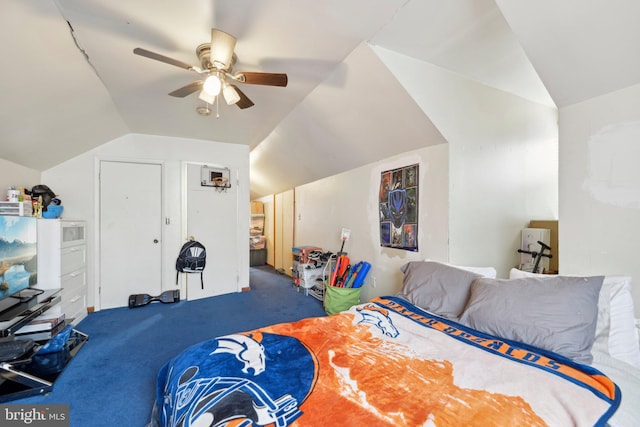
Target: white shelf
x,y
62,258
16,208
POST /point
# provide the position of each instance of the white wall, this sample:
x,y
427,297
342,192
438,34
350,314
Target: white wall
x,y
600,187
350,200
503,173
76,182
503,153
13,174
498,171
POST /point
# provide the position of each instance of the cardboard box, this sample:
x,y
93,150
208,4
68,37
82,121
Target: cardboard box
x,y
257,208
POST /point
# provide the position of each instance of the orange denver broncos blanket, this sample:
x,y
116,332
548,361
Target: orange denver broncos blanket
x,y
382,363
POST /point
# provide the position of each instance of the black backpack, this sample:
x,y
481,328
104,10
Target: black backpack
x,y
43,191
191,259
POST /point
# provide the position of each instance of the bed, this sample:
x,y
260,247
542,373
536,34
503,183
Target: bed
x,y
452,348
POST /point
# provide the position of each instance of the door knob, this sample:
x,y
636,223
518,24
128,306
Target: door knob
x,y
155,240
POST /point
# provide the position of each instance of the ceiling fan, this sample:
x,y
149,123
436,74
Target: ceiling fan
x,y
217,59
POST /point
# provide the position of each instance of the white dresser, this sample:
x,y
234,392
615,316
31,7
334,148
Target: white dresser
x,y
62,257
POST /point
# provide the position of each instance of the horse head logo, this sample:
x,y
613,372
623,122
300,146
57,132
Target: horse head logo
x,y
378,317
247,350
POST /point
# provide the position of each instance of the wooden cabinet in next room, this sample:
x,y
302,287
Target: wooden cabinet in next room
x,y
62,257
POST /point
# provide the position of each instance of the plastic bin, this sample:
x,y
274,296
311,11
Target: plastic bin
x,y
340,299
257,257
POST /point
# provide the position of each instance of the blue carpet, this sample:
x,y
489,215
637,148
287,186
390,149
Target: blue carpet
x,y
111,381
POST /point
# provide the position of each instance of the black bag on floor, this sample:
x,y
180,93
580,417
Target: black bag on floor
x,y
191,259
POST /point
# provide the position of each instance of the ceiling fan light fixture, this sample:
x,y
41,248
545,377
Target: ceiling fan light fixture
x,y
230,95
207,97
217,58
222,47
212,85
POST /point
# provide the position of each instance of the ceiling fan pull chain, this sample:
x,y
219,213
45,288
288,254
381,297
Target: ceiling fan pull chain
x,y
217,107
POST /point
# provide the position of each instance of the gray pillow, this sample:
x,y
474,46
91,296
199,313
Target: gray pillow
x,y
438,288
553,313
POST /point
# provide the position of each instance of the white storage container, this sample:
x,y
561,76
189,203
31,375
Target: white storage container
x,y
62,260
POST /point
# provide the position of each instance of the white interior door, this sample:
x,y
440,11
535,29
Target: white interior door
x,y
130,231
212,219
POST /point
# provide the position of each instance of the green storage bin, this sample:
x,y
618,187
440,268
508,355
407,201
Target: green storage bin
x,y
340,299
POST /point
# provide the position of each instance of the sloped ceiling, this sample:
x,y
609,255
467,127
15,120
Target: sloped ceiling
x,y
70,81
328,133
580,49
469,37
53,106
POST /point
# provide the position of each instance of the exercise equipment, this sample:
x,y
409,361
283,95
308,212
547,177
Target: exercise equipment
x,y
167,297
537,256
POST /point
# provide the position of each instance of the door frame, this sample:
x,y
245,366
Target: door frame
x,y
184,220
98,238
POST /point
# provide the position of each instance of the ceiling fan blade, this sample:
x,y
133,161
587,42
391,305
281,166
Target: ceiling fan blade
x,y
222,47
162,58
188,89
269,79
244,102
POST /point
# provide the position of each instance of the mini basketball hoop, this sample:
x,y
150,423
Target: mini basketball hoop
x,y
221,184
215,177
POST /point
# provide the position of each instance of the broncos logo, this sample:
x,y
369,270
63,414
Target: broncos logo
x,y
378,317
240,379
245,349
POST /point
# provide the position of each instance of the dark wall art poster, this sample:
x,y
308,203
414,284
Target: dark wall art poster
x,y
399,208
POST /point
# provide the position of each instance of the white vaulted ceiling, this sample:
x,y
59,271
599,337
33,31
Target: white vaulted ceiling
x,y
70,82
